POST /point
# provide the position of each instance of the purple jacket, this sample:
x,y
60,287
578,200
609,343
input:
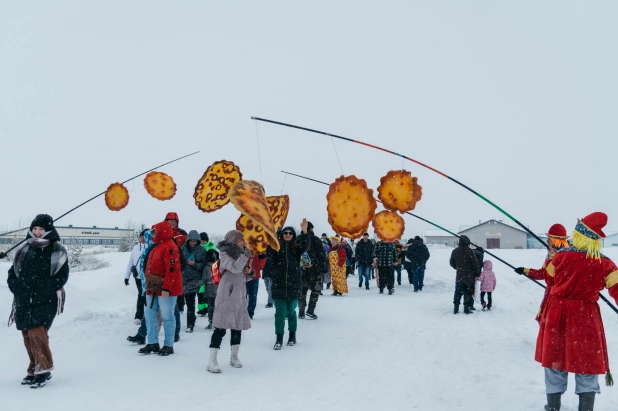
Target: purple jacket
x,y
488,278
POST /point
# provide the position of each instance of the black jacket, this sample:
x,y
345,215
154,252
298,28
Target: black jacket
x,y
286,275
317,255
364,252
34,289
193,276
417,253
464,261
479,253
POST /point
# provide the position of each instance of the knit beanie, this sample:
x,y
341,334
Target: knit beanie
x,y
44,221
204,237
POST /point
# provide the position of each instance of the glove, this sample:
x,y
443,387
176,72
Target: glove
x,y
126,281
519,270
2,255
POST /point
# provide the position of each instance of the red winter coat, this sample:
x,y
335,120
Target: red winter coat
x,y
546,273
571,336
164,261
258,265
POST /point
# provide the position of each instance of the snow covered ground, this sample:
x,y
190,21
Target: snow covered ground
x,y
366,352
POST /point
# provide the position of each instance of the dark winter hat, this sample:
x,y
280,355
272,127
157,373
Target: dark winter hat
x,y
324,235
417,238
309,226
366,234
44,221
143,233
289,228
464,241
204,237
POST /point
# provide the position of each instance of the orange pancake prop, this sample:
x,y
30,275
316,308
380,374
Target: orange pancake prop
x,y
389,226
351,206
399,191
116,197
160,185
248,197
211,191
254,235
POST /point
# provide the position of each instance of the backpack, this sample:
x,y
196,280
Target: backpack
x,y
216,275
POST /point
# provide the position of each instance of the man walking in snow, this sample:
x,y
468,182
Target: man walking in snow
x,y
132,270
464,261
312,276
385,259
364,258
417,254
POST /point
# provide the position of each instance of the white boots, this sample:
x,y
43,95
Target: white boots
x,y
234,361
213,366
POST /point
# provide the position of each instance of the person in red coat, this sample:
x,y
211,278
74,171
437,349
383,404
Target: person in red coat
x,y
571,337
163,286
557,240
180,235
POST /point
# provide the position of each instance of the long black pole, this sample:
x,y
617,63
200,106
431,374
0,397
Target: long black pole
x,y
450,232
100,194
488,201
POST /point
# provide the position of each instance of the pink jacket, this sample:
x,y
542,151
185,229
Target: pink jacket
x,y
488,278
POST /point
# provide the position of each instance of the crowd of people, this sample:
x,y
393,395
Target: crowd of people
x,y
176,271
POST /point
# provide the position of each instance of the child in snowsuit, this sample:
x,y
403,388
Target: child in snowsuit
x,y
488,284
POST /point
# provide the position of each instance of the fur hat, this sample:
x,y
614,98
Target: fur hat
x,y
233,237
46,222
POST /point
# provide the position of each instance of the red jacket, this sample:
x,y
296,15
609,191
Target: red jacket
x,y
164,261
571,336
258,265
545,273
179,235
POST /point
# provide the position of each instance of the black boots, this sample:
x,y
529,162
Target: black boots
x,y
40,380
553,402
165,351
456,309
311,315
292,339
586,401
137,339
149,349
279,342
301,313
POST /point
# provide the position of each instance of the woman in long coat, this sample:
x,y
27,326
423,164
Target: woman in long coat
x,y
231,302
337,260
37,277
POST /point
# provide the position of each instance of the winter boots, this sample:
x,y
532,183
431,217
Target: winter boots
x,y
213,366
391,291
456,309
137,339
149,349
553,402
234,361
190,329
467,310
311,316
40,380
360,284
292,339
28,380
301,313
279,342
209,326
367,287
586,401
165,351
269,305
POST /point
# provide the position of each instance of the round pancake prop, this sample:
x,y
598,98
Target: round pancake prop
x,y
160,185
116,197
389,226
399,191
351,206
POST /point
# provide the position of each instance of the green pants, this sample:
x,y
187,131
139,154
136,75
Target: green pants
x,y
285,308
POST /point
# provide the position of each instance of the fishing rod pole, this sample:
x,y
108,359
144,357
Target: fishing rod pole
x,y
433,224
414,161
95,197
458,236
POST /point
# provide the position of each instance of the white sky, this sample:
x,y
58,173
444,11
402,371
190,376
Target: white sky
x,y
516,99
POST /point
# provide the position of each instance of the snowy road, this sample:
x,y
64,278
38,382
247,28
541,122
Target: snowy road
x,y
366,352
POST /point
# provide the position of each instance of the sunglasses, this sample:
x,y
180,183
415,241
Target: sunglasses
x,y
287,233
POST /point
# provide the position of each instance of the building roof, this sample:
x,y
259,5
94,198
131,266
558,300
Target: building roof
x,y
494,221
437,233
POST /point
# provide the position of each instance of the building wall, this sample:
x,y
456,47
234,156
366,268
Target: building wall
x,y
447,240
87,236
610,241
510,237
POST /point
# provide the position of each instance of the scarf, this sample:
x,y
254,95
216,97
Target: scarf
x,y
230,249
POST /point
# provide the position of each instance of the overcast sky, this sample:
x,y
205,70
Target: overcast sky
x,y
516,99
